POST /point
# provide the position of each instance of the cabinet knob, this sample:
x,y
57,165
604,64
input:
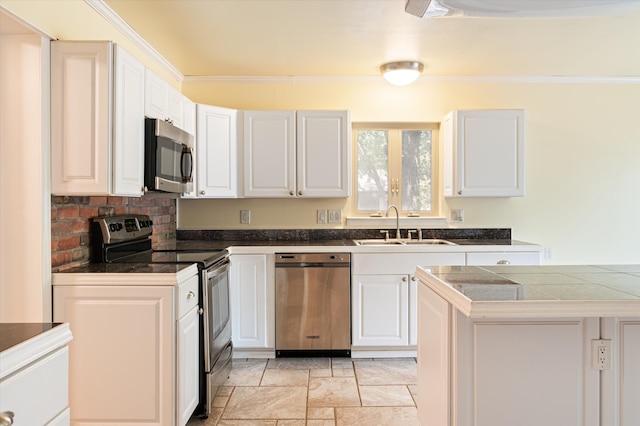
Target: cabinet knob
x,y
6,418
190,295
459,192
202,192
413,278
404,279
290,192
299,192
503,262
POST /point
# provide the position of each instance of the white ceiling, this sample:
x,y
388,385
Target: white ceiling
x,y
354,37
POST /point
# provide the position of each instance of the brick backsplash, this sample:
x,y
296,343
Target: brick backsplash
x,y
71,215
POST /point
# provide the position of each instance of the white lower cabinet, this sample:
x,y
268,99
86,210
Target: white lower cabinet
x,y
383,297
523,371
252,298
134,357
38,393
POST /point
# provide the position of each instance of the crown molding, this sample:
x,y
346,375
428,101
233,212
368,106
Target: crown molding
x,y
508,79
114,19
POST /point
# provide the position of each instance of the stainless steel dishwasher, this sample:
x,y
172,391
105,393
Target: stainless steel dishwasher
x,y
313,304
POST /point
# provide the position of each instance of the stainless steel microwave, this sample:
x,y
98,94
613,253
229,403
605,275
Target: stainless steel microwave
x,y
168,158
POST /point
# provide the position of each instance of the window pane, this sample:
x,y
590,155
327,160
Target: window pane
x,y
373,160
416,170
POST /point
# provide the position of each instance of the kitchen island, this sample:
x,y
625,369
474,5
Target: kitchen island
x,y
529,345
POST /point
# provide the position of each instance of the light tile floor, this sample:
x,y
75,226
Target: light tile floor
x,y
316,392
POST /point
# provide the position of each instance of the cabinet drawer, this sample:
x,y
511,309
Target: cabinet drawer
x,y
187,296
503,258
43,384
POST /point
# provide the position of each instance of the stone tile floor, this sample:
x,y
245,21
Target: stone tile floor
x,y
316,392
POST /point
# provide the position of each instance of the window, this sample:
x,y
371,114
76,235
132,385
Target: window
x,y
394,165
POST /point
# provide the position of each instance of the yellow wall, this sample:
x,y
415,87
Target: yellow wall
x,y
582,155
582,158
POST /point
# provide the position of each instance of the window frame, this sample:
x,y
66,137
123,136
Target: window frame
x,y
395,165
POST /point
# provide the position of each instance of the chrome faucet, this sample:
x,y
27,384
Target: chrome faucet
x,y
397,220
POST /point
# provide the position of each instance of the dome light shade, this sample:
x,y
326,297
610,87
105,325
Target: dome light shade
x,y
401,73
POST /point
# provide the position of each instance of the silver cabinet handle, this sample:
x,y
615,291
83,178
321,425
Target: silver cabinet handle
x,y
413,278
503,262
299,192
190,295
6,418
404,279
202,192
290,192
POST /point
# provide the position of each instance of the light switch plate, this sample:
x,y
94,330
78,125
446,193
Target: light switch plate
x,y
322,216
245,216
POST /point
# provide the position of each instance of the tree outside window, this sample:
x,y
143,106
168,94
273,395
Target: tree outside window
x,y
395,166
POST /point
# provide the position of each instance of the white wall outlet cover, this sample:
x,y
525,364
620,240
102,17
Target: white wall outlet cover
x,y
335,216
245,216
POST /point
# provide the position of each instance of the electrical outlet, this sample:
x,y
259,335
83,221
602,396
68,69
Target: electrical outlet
x,y
335,216
245,216
457,215
548,253
601,354
322,216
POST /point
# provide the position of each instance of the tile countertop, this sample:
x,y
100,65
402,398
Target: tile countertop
x,y
507,291
24,343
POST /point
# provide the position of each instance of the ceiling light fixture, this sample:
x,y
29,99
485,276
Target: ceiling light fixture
x,y
401,73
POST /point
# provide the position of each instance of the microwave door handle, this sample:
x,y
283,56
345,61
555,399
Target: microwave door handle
x,y
186,177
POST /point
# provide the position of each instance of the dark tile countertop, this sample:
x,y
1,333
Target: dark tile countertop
x,y
14,333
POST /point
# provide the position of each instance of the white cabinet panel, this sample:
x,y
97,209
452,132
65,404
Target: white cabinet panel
x,y
97,120
188,362
217,152
380,310
297,154
484,153
269,153
323,153
39,392
104,320
252,297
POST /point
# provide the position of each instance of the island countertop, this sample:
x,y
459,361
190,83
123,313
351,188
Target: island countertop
x,y
538,291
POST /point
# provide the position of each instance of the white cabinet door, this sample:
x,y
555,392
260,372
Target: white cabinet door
x,y
123,351
380,310
621,385
297,154
97,137
484,153
269,154
80,117
188,365
176,111
323,154
503,258
128,143
217,152
252,297
156,96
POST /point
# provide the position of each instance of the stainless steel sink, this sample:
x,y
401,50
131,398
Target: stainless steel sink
x,y
431,241
381,242
378,242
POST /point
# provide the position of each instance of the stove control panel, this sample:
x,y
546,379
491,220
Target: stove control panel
x,y
124,227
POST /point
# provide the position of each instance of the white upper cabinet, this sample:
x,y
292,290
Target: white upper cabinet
x,y
484,153
217,152
297,154
97,120
323,153
163,102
